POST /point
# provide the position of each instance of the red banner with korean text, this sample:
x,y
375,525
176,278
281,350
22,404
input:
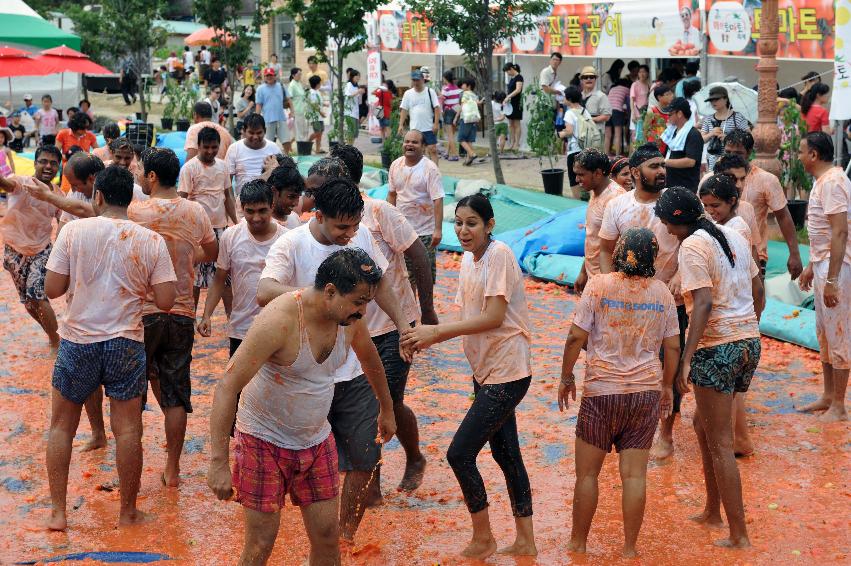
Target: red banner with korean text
x,y
806,28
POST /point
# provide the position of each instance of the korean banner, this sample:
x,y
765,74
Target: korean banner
x,y
840,104
805,30
373,71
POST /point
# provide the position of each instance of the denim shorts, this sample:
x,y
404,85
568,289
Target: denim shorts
x,y
429,138
467,132
117,364
726,367
395,368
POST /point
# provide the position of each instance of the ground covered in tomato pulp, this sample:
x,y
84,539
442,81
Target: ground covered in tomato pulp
x,y
796,486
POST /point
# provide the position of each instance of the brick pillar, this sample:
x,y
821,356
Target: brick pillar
x,y
766,133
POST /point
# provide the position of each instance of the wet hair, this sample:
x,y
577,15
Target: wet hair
x,y
449,76
330,168
163,162
111,131
203,110
722,186
285,178
499,96
352,157
51,149
285,160
821,143
256,191
730,161
207,135
339,198
661,91
635,253
680,206
345,269
314,81
253,122
618,165
592,159
740,137
83,165
572,94
469,81
644,153
690,88
79,121
115,183
479,204
815,91
121,143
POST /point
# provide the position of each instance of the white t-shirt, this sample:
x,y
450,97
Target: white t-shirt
x,y
498,113
353,99
291,221
66,217
294,259
112,264
188,59
571,119
416,189
420,110
245,163
206,57
244,257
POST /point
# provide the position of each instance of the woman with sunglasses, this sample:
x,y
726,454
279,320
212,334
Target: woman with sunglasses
x,y
721,122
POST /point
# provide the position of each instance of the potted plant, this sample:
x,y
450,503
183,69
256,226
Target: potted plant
x,y
170,106
542,139
391,147
793,176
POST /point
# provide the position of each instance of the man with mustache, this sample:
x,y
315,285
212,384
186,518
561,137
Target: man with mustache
x,y
635,210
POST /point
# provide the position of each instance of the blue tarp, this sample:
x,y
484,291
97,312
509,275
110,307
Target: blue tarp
x,y
789,323
562,233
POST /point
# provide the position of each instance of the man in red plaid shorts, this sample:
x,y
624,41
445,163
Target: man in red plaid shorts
x,y
284,443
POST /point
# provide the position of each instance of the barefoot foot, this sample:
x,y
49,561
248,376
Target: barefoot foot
x,y
170,479
834,415
709,519
520,548
479,549
413,476
57,521
742,446
577,546
821,405
134,517
741,542
662,449
97,442
630,552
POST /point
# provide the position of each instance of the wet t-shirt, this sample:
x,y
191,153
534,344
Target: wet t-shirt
x,y
500,355
626,319
593,222
185,227
112,265
207,185
28,222
416,189
225,139
763,191
831,194
703,264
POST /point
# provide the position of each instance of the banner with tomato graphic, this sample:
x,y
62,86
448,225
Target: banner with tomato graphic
x,y
806,28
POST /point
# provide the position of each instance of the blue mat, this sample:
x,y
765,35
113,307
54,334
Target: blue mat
x,y
561,269
110,557
562,233
789,323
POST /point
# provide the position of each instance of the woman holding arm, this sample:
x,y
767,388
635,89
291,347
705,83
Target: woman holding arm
x,y
515,98
495,325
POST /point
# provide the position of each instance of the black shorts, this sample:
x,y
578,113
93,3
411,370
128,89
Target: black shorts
x,y
234,344
448,117
395,368
354,422
168,348
618,118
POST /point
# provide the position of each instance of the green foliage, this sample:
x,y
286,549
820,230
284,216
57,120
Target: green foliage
x,y
541,132
181,99
340,24
392,144
793,176
224,15
162,52
44,7
87,25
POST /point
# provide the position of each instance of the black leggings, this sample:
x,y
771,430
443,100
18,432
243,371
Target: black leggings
x,y
491,419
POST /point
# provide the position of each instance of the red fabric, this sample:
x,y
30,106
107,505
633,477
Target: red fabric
x,y
816,118
385,98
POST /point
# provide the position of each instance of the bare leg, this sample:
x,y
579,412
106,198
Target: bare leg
x,y
261,530
589,461
742,443
126,423
618,140
43,314
432,153
451,147
607,140
827,395
64,418
633,468
836,412
227,299
482,544
353,502
663,446
175,433
94,410
524,543
711,514
408,434
320,522
714,410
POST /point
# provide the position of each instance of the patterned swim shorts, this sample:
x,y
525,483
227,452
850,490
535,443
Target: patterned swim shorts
x,y
726,367
264,473
624,421
28,272
204,272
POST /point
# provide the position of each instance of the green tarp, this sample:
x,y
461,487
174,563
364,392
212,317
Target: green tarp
x,y
29,31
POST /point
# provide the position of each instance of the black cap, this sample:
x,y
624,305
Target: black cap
x,y
680,104
717,92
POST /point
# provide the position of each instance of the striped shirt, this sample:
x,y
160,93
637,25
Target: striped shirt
x,y
451,96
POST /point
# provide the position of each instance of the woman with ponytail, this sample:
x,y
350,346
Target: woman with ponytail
x,y
814,109
724,297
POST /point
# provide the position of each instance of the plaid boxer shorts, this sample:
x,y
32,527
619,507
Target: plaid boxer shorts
x,y
625,420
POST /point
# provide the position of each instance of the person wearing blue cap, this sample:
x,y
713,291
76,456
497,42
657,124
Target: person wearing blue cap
x,y
421,105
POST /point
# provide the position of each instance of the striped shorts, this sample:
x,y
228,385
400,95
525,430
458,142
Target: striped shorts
x,y
117,364
623,420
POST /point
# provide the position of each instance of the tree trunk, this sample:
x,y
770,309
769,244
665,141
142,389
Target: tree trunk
x,y
341,110
486,72
141,63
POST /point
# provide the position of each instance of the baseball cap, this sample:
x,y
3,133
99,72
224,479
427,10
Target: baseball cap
x,y
717,92
589,70
268,71
424,70
417,75
28,97
678,103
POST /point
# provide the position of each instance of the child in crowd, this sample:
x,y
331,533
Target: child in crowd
x,y
47,121
469,118
315,114
7,159
500,122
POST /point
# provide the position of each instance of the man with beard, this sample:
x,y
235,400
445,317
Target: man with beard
x,y
635,210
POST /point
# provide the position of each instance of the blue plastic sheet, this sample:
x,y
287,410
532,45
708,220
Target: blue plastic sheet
x,y
109,557
562,233
789,323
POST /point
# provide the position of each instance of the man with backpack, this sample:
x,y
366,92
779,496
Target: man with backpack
x,y
420,104
580,131
595,101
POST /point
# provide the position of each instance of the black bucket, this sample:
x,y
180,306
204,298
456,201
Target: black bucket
x,y
304,148
386,160
553,181
798,212
182,125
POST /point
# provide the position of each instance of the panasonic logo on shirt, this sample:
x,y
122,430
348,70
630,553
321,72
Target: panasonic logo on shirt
x,y
655,307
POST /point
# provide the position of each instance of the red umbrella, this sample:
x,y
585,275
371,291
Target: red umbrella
x,y
207,36
66,60
18,63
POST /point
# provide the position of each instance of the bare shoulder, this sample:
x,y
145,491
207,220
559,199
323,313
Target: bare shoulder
x,y
275,326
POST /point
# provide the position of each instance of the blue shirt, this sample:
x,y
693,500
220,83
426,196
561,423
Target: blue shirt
x,y
271,97
31,109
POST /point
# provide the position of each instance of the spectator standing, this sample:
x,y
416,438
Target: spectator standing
x,y
594,100
244,105
214,95
245,157
28,106
275,66
316,115
47,121
422,106
514,99
19,133
298,96
685,147
129,79
383,107
639,96
188,59
612,76
450,96
270,100
814,109
618,100
468,119
655,120
549,74
354,94
204,58
717,125
170,62
216,76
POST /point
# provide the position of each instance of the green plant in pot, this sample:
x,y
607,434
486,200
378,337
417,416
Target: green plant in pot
x,y
171,92
794,178
391,148
542,139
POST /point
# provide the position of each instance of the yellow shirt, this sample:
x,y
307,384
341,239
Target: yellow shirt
x,y
248,77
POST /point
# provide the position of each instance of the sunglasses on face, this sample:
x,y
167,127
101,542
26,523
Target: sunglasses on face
x,y
588,77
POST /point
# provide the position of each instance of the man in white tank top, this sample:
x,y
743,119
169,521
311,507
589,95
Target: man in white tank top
x,y
284,443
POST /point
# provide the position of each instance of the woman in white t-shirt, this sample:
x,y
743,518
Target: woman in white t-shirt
x,y
353,94
573,108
